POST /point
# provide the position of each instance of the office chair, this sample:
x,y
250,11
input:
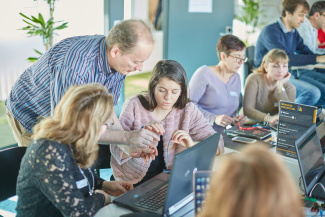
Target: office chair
x,y
10,159
249,65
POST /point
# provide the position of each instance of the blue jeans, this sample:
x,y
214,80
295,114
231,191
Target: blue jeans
x,y
307,92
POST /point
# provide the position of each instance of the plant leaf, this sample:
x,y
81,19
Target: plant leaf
x,y
25,16
41,19
39,52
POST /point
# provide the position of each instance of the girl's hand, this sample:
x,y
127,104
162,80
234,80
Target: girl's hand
x,y
146,156
155,127
183,138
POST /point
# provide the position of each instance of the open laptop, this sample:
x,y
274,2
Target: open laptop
x,y
165,193
321,129
311,162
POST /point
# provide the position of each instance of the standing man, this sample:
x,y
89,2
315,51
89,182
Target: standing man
x,y
308,29
82,60
283,35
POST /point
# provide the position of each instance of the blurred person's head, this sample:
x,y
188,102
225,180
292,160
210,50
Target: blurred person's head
x,y
274,64
129,43
79,120
294,11
252,183
317,14
167,87
231,52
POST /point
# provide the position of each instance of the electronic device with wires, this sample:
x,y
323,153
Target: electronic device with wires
x,y
251,132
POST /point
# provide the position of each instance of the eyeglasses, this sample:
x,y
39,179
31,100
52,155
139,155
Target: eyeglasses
x,y
239,59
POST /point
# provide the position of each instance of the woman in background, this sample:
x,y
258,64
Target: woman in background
x,y
55,178
216,90
267,86
165,110
252,183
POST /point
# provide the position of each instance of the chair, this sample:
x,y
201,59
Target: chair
x,y
10,159
249,64
104,158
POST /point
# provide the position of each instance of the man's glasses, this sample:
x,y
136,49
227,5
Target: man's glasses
x,y
239,59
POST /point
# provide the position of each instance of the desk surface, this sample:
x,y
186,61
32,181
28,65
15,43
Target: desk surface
x,y
113,210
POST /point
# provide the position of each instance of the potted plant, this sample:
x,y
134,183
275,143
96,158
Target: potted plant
x,y
36,26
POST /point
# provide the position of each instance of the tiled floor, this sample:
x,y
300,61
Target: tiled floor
x,y
7,207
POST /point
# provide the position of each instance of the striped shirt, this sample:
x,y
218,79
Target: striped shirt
x,y
73,61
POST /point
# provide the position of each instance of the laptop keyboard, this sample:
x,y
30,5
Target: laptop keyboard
x,y
153,200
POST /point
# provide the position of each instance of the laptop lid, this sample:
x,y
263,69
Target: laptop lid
x,y
321,129
198,157
310,158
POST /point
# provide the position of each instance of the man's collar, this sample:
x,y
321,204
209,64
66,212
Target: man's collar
x,y
284,29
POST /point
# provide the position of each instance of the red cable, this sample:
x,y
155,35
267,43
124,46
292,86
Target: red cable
x,y
250,128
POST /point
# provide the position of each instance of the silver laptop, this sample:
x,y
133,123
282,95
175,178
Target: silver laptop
x,y
311,163
166,193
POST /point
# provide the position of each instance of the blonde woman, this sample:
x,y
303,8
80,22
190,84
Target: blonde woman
x,y
267,86
252,183
55,178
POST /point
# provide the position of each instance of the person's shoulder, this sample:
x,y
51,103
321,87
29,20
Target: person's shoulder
x,y
133,100
46,146
271,29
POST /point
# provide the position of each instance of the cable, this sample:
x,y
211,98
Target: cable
x,y
168,155
311,192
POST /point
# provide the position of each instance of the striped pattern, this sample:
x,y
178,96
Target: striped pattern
x,y
73,61
134,116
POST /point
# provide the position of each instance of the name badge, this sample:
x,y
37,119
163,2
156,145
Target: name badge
x,y
82,183
233,93
276,104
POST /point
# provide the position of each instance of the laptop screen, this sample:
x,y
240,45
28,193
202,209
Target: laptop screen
x,y
321,129
310,157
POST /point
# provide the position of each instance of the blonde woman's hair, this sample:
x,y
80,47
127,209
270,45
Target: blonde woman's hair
x,y
252,183
77,121
273,56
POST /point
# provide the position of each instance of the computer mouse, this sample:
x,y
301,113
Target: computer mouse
x,y
140,214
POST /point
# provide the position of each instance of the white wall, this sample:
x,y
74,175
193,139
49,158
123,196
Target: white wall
x,y
84,17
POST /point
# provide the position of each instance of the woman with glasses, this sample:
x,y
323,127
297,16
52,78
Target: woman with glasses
x,y
55,178
267,86
216,89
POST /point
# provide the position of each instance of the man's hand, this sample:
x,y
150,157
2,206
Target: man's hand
x,y
141,141
116,188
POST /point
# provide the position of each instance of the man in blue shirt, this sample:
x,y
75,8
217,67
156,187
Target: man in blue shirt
x,y
82,60
283,35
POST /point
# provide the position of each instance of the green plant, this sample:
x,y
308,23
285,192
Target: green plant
x,y
38,27
248,14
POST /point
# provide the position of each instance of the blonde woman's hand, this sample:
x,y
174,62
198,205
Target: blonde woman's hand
x,y
107,197
284,80
183,138
116,188
155,127
223,120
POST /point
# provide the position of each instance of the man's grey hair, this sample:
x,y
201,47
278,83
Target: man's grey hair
x,y
127,33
